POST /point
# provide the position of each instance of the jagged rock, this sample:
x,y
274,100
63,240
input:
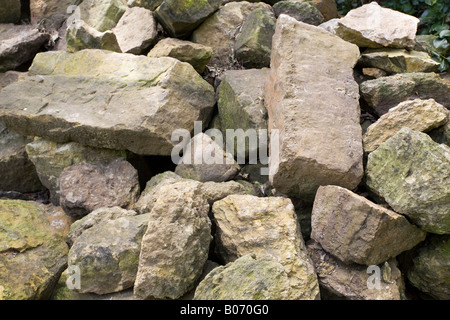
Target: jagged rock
x,y
10,11
386,92
85,187
398,61
108,100
215,191
265,227
247,278
131,41
412,173
102,14
32,249
350,281
19,44
254,43
328,8
301,11
81,36
52,13
195,54
205,160
299,77
419,115
180,18
355,230
51,158
148,4
429,270
175,246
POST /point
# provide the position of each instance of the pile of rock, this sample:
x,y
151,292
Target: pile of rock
x,y
344,212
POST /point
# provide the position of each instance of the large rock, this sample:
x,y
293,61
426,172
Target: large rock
x,y
151,5
350,281
376,27
429,271
51,158
10,11
131,41
51,12
247,278
419,115
19,44
355,230
386,92
412,173
301,11
181,17
175,246
265,227
312,99
81,36
102,14
328,8
107,254
85,187
108,100
32,249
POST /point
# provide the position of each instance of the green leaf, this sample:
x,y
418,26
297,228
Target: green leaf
x,y
444,65
441,44
444,34
431,2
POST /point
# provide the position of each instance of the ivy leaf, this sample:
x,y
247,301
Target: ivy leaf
x,y
431,2
444,34
441,44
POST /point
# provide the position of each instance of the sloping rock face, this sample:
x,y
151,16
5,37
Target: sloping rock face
x,y
308,122
102,14
105,99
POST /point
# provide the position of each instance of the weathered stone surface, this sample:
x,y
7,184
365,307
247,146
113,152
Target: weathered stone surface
x,y
10,11
32,249
51,158
425,42
386,92
19,44
108,254
254,43
181,17
412,173
350,281
9,77
328,8
195,54
81,36
205,160
148,4
356,230
376,27
301,11
247,278
221,29
108,100
214,191
419,115
51,12
265,226
176,244
430,271
85,187
130,40
398,61
17,172
313,102
102,14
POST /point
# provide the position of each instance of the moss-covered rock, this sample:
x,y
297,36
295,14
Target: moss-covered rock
x,y
301,11
81,36
102,14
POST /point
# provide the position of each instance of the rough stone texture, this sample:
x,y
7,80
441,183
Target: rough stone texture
x,y
17,172
195,54
10,11
148,4
51,158
265,226
102,14
254,43
9,77
214,191
85,187
386,92
412,173
328,8
176,244
430,270
180,17
247,278
221,29
312,99
301,11
398,61
81,36
355,230
19,44
53,11
419,115
32,249
376,27
136,30
108,100
349,281
108,254
205,160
